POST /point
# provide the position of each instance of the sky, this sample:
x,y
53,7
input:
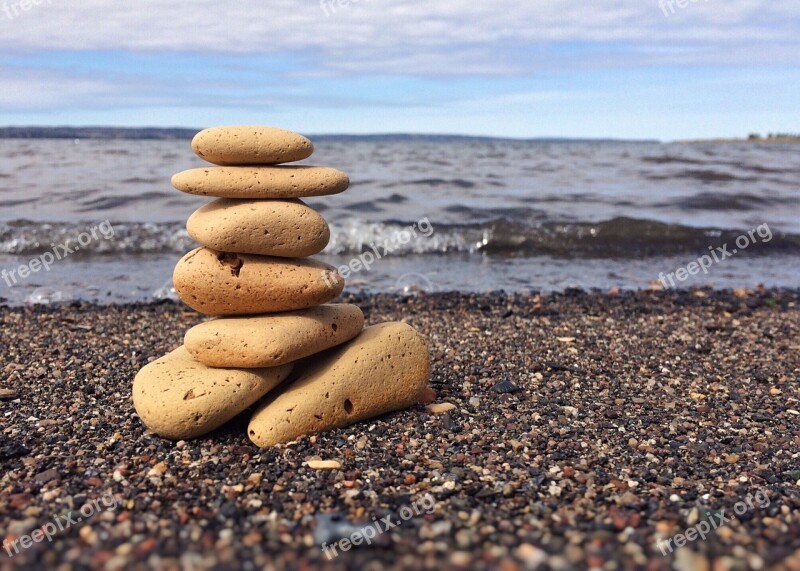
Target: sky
x,y
652,69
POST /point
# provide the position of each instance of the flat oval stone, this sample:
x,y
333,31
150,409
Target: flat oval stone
x,y
250,145
385,368
285,228
262,182
178,398
273,340
218,283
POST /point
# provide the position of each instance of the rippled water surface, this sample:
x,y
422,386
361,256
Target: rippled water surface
x,y
488,215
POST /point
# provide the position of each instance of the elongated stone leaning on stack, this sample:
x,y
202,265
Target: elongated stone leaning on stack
x,y
276,338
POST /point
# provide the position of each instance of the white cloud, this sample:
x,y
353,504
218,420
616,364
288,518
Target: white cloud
x,y
34,90
542,66
417,37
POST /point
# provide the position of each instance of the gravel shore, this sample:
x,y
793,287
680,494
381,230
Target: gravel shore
x,y
586,427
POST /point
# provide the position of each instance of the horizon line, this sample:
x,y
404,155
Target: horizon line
x,y
189,130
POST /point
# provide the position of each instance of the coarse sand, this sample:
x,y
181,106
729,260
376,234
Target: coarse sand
x,y
586,426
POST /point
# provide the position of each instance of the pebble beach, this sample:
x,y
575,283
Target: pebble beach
x,y
568,431
414,286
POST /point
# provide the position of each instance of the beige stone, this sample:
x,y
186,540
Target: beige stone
x,y
250,145
217,283
272,340
324,464
440,408
178,398
385,368
285,228
262,182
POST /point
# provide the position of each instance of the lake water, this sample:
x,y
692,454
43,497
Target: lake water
x,y
489,215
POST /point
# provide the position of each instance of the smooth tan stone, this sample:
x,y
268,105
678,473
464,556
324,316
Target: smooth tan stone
x,y
250,145
324,464
262,182
178,398
285,228
385,368
272,340
440,408
217,283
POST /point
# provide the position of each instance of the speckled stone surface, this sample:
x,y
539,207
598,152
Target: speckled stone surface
x,y
273,340
250,145
178,397
223,283
385,368
284,228
262,182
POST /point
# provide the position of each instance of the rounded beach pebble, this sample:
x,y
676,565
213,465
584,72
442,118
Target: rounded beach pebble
x,y
273,340
385,368
250,145
218,283
262,182
285,228
178,398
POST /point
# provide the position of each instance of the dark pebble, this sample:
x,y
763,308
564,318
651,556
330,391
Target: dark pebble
x,y
506,386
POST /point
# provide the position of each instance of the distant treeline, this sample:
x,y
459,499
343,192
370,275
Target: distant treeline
x,y
94,133
182,133
419,138
758,137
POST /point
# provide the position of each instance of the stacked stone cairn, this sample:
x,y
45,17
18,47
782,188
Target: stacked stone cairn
x,y
275,339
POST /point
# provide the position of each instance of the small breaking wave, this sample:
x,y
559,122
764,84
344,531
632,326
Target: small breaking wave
x,y
619,238
23,237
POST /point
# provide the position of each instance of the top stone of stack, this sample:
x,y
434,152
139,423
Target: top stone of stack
x,y
250,145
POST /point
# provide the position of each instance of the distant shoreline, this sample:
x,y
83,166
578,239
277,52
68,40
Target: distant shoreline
x,y
750,141
181,133
184,133
145,133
